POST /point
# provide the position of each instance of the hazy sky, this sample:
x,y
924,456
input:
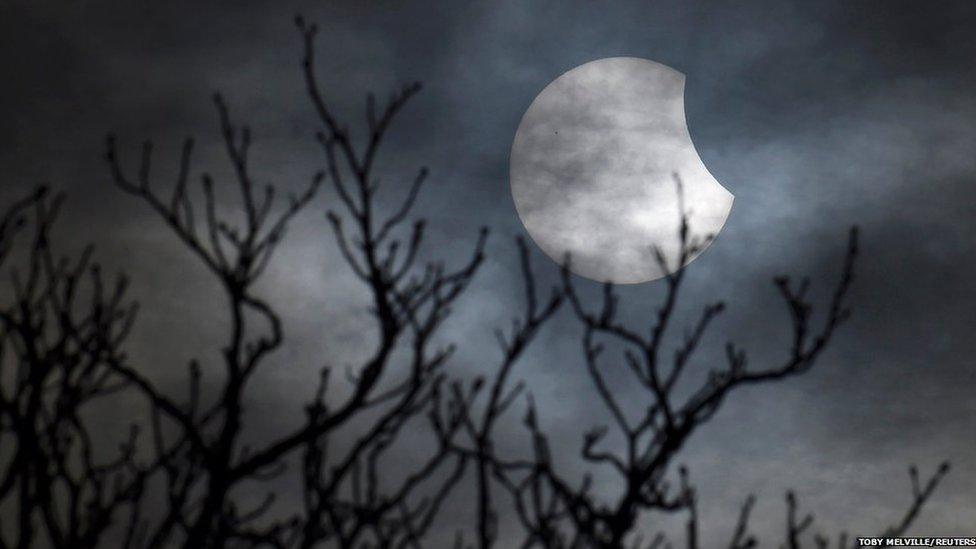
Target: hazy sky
x,y
815,115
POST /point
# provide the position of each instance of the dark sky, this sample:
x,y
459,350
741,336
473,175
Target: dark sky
x,y
816,115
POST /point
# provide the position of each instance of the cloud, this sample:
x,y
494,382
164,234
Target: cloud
x,y
814,117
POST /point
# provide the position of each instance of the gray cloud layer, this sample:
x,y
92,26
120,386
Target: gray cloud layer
x,y
815,115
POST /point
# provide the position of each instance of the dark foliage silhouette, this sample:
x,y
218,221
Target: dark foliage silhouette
x,y
178,478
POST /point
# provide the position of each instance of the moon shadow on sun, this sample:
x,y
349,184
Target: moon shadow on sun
x,y
592,170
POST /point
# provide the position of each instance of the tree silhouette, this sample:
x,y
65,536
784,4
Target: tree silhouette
x,y
180,478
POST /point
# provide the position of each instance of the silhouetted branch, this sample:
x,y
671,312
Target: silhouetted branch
x,y
741,538
60,331
656,435
797,526
920,495
237,255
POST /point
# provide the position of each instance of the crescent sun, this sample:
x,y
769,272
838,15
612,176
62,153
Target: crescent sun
x,y
592,170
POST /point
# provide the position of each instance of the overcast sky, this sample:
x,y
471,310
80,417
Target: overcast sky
x,y
815,115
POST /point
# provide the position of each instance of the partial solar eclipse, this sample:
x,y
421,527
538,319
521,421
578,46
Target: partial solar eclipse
x,y
593,164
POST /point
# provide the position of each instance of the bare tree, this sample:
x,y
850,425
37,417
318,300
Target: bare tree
x,y
61,331
557,513
62,340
